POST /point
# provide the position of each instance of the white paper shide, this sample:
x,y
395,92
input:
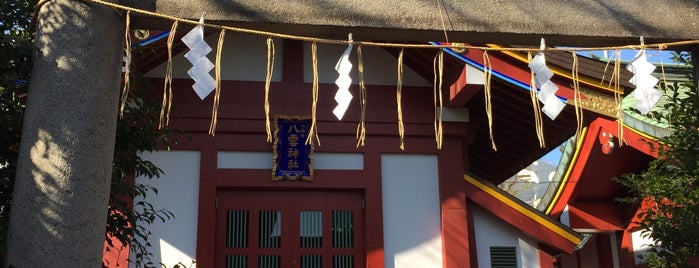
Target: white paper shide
x,y
645,82
204,83
343,95
547,89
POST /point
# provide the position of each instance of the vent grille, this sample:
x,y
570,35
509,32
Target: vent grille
x,y
503,257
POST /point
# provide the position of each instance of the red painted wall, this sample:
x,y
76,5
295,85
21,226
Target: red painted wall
x,y
241,128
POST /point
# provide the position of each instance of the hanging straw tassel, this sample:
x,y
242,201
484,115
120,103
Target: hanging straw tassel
x,y
662,65
127,67
488,106
662,71
438,69
577,100
313,132
538,119
217,94
616,75
268,80
399,96
604,73
361,126
167,87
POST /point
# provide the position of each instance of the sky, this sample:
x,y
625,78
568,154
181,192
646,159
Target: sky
x,y
654,56
553,156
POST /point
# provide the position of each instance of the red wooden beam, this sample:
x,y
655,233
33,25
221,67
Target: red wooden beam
x,y
631,137
596,216
462,90
521,216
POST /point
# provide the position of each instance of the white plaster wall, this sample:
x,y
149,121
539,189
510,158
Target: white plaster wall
x,y
380,68
411,211
178,191
529,252
338,161
263,160
243,57
491,231
641,245
565,216
615,251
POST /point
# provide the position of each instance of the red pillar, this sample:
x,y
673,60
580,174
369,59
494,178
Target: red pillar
x,y
545,259
455,224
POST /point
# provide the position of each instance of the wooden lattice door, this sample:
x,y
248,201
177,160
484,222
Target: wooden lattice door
x,y
279,229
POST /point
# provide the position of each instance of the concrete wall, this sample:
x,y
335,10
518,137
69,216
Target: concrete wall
x,y
411,211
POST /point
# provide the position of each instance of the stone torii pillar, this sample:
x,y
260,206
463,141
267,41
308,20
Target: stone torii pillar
x,y
695,65
59,208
